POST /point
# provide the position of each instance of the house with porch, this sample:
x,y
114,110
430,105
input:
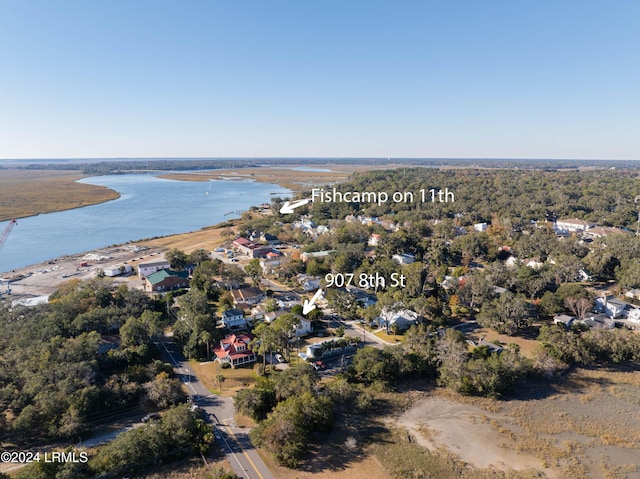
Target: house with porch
x,y
234,349
233,319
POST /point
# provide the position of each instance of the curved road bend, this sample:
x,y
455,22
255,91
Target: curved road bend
x,y
240,453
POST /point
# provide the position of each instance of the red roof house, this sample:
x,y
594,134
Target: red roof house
x,y
234,349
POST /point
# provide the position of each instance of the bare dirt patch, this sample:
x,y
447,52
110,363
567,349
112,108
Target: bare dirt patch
x,y
463,429
585,426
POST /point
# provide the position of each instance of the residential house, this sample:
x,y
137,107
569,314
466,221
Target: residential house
x,y
249,248
374,239
533,263
612,307
149,267
303,328
270,317
480,227
303,223
512,262
571,225
584,276
269,239
633,294
311,284
404,319
449,282
598,321
634,315
498,290
270,263
258,312
364,298
602,231
248,295
316,254
234,349
166,280
233,319
403,258
322,229
564,319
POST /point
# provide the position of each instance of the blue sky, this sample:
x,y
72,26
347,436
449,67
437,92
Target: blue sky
x,y
311,78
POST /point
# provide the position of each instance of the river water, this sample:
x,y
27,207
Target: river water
x,y
148,207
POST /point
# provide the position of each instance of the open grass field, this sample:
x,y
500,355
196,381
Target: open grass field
x,y
527,346
234,379
208,238
28,193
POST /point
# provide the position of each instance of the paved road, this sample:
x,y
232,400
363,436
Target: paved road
x,y
219,410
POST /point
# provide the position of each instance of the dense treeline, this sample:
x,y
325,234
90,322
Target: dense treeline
x,y
602,196
82,358
97,167
179,433
292,408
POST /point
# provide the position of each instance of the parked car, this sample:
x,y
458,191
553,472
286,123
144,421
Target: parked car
x,y
320,365
279,358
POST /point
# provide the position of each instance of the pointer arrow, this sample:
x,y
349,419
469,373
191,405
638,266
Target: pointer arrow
x,y
308,306
288,208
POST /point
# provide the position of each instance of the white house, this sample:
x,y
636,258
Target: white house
x,y
269,264
149,267
612,307
634,315
404,318
564,319
480,227
374,239
512,262
571,225
234,319
311,284
633,294
303,327
403,258
534,263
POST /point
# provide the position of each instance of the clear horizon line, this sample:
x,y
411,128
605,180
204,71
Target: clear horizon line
x,y
479,158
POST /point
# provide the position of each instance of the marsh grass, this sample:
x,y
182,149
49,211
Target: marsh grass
x,y
28,193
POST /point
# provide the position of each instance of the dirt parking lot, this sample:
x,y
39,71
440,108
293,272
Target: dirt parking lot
x,y
44,278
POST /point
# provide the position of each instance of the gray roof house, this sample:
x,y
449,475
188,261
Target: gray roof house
x,y
234,319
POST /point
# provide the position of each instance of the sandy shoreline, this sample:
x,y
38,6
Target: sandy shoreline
x,y
44,278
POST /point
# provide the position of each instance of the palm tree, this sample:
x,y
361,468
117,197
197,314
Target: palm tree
x,y
205,338
220,379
